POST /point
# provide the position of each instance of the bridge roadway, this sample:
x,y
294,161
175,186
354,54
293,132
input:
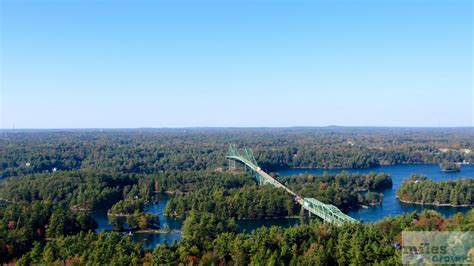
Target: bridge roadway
x,y
326,212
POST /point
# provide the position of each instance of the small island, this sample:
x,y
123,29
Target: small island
x,y
450,167
129,215
419,189
344,190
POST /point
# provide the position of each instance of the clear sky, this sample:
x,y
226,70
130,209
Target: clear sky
x,y
116,64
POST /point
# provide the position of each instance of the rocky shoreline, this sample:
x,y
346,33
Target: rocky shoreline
x,y
157,231
435,204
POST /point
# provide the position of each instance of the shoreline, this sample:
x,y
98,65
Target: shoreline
x,y
157,231
263,218
147,231
436,204
119,214
350,168
271,218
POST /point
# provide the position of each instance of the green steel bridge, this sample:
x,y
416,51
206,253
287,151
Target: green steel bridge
x,y
326,212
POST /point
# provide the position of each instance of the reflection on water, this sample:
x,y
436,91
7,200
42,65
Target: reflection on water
x,y
391,206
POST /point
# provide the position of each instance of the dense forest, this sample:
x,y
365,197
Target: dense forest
x,y
51,180
129,214
419,189
124,195
90,190
22,224
152,151
126,207
210,239
83,190
345,191
245,202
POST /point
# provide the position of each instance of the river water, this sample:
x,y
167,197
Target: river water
x,y
391,206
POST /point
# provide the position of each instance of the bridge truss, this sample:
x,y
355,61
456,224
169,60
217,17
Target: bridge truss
x,y
326,212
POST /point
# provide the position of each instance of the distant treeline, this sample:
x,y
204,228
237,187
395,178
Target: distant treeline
x,y
419,189
153,151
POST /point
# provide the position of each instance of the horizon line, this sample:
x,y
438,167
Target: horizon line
x,y
233,127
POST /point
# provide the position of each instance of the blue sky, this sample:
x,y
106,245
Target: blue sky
x,y
114,64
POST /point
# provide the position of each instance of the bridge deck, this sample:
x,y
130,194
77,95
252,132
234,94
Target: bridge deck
x,y
327,212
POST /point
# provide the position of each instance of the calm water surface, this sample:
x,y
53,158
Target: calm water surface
x,y
391,206
150,240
